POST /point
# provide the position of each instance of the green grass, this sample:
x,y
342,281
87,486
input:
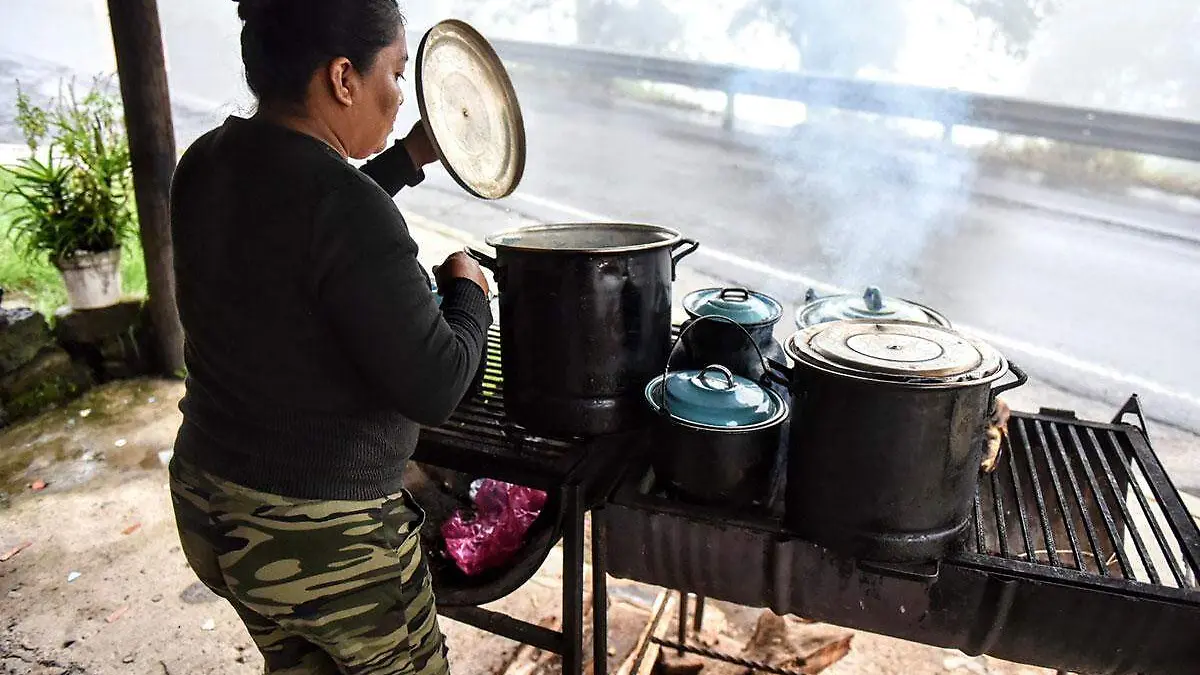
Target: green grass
x,y
37,283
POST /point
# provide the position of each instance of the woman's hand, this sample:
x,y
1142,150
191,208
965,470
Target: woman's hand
x,y
459,265
419,147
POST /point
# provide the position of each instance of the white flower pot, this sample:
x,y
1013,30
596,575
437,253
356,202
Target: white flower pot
x,y
93,280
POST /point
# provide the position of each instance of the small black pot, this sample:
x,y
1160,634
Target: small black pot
x,y
717,435
724,342
713,464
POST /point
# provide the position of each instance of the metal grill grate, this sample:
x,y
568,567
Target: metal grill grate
x,y
1089,498
480,426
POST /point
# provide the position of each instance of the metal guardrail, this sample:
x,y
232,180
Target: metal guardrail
x,y
1119,131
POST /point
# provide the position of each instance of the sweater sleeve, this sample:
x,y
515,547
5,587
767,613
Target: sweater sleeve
x,y
370,287
393,169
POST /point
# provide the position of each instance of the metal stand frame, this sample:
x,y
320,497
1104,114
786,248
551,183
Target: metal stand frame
x,y
682,646
567,642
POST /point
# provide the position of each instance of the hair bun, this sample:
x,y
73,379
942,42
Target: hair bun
x,y
248,10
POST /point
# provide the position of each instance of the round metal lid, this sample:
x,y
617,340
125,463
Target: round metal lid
x,y
470,110
738,304
596,238
872,304
895,349
714,396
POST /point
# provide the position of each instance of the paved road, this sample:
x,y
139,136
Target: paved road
x,y
1098,310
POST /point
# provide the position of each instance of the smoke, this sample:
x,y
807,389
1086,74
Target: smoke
x,y
875,193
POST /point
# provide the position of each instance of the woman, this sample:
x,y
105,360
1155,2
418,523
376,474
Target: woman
x,y
315,347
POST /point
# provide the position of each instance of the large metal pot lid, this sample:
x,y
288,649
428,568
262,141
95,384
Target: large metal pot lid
x,y
585,238
872,304
470,110
896,349
743,306
715,398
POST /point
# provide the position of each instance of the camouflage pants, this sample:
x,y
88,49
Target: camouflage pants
x,y
324,587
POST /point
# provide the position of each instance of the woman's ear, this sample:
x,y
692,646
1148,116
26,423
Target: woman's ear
x,y
340,74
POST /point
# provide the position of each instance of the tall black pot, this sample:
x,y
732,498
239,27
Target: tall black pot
x,y
884,469
585,322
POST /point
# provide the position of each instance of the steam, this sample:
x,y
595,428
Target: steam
x,y
875,195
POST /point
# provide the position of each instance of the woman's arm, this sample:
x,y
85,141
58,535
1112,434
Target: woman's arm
x,y
400,165
376,297
393,169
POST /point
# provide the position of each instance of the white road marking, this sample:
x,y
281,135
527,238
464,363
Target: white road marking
x,y
1002,342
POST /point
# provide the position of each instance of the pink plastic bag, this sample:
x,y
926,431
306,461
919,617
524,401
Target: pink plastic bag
x,y
503,514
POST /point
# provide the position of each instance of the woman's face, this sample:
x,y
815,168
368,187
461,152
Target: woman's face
x,y
369,120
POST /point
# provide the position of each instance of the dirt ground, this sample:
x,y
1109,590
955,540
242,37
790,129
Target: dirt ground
x,y
102,586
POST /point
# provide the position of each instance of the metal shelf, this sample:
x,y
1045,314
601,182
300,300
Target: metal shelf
x,y
1081,557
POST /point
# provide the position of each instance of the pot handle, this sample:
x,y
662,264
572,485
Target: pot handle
x,y
1017,372
679,340
482,258
680,250
779,373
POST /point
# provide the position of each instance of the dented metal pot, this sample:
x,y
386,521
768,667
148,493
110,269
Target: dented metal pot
x,y
585,321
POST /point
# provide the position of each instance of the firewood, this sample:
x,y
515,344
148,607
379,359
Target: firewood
x,y
996,431
791,644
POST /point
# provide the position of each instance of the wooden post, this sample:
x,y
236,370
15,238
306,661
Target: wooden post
x,y
141,67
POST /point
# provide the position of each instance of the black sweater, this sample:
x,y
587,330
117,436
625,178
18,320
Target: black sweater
x,y
314,345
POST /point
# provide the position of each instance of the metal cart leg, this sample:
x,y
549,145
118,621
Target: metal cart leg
x,y
599,595
698,617
573,585
683,607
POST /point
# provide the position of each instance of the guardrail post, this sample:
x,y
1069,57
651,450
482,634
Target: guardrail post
x,y
730,111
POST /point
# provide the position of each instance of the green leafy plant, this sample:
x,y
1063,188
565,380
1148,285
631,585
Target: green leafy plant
x,y
72,195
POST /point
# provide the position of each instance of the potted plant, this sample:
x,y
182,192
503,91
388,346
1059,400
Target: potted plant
x,y
72,194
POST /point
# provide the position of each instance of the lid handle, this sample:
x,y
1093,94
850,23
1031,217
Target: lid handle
x,y
721,370
666,410
810,295
873,299
734,294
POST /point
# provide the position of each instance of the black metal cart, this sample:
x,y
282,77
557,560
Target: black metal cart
x,y
1082,556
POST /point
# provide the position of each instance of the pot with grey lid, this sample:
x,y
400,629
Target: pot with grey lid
x,y
888,430
725,342
872,304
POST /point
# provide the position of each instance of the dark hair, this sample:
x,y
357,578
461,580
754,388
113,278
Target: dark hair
x,y
285,41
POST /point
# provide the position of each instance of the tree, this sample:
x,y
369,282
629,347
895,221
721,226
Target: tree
x,y
631,25
840,37
636,25
1139,57
1012,23
837,37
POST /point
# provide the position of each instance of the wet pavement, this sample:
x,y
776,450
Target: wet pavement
x,y
111,430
